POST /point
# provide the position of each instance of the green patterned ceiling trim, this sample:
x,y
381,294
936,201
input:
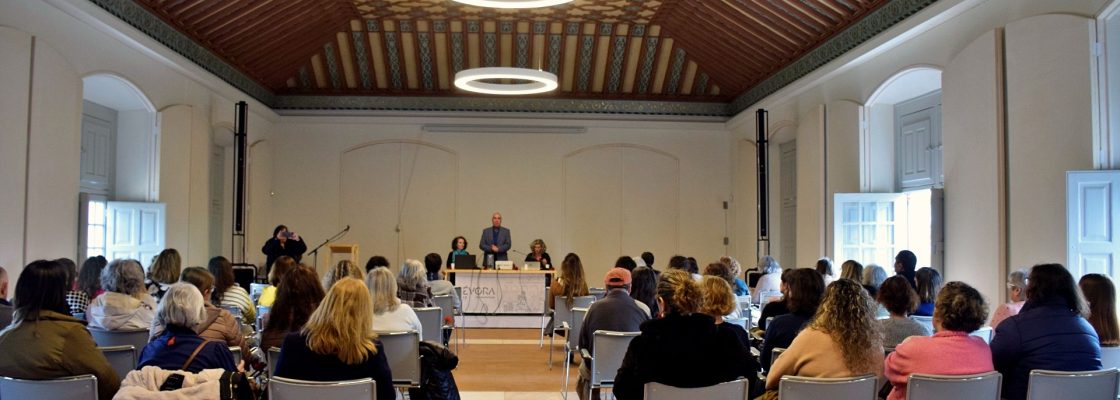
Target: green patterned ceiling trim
x,y
144,21
508,105
863,30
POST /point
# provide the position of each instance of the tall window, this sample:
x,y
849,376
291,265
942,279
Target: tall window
x,y
874,227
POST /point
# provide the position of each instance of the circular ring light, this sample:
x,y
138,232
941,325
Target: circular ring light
x,y
472,80
513,3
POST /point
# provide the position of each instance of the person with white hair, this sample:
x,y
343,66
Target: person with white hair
x,y
412,284
126,303
179,347
771,279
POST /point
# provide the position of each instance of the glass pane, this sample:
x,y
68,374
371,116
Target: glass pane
x,y
868,212
95,235
96,212
851,212
851,234
889,217
95,251
885,234
885,254
851,253
868,255
869,235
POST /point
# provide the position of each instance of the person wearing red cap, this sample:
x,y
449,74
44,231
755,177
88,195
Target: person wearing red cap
x,y
617,311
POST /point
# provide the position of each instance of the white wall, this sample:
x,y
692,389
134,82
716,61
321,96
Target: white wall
x,y
16,48
134,180
537,181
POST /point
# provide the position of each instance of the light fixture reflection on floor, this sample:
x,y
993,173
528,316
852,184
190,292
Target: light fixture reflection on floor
x,y
473,80
513,3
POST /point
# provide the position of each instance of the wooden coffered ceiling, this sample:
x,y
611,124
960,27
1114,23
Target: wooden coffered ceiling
x,y
709,51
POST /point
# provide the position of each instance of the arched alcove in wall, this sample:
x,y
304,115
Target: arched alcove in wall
x,y
620,199
879,150
399,197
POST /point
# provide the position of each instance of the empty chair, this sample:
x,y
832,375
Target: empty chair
x,y
562,318
402,349
431,321
599,293
137,338
926,321
724,391
294,389
985,332
1081,385
446,305
572,345
82,387
273,357
610,348
805,388
121,358
984,386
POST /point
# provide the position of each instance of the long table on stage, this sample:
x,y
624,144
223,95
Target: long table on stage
x,y
502,292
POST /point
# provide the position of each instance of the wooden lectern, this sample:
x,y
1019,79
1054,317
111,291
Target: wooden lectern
x,y
335,253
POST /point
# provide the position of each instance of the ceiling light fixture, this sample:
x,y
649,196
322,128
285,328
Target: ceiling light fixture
x,y
474,80
513,3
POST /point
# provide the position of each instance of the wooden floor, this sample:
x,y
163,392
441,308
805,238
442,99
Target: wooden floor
x,y
510,360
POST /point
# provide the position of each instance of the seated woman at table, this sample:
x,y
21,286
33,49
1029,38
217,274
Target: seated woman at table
x,y
538,253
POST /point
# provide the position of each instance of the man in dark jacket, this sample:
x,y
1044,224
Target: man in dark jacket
x,y
617,311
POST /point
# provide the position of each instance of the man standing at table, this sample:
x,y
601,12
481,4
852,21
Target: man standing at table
x,y
495,240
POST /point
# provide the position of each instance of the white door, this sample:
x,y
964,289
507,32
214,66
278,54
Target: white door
x,y
1092,221
134,230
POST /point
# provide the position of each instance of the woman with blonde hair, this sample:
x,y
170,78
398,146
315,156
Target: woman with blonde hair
x,y
684,348
337,343
163,272
344,269
719,301
389,313
280,267
841,341
851,269
412,284
738,285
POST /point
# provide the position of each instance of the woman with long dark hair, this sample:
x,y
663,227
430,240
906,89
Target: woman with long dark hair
x,y
1100,293
299,294
804,288
643,288
226,291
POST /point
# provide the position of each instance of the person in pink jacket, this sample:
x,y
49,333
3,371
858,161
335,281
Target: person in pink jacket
x,y
959,309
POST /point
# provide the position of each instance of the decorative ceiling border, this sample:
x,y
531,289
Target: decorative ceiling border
x,y
142,19
503,104
863,30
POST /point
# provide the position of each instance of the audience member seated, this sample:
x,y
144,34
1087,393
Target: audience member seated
x,y
929,283
900,300
76,299
873,278
775,308
853,270
771,279
217,324
376,262
643,288
723,271
179,347
227,293
163,272
683,348
959,309
694,269
298,296
337,343
44,341
281,267
617,311
1100,294
6,309
841,341
1016,294
1049,333
440,286
718,301
342,269
412,284
389,313
738,285
88,285
126,304
905,264
804,288
570,284
824,267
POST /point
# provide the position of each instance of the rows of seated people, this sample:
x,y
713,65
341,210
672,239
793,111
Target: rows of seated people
x,y
323,335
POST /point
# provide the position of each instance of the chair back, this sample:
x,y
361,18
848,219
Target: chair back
x,y
273,358
578,313
985,332
744,302
432,322
121,358
459,293
236,350
255,290
805,388
925,321
1110,357
985,386
610,347
599,293
743,322
294,389
402,349
137,338
446,306
82,387
733,390
774,353
768,296
563,313
1046,384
